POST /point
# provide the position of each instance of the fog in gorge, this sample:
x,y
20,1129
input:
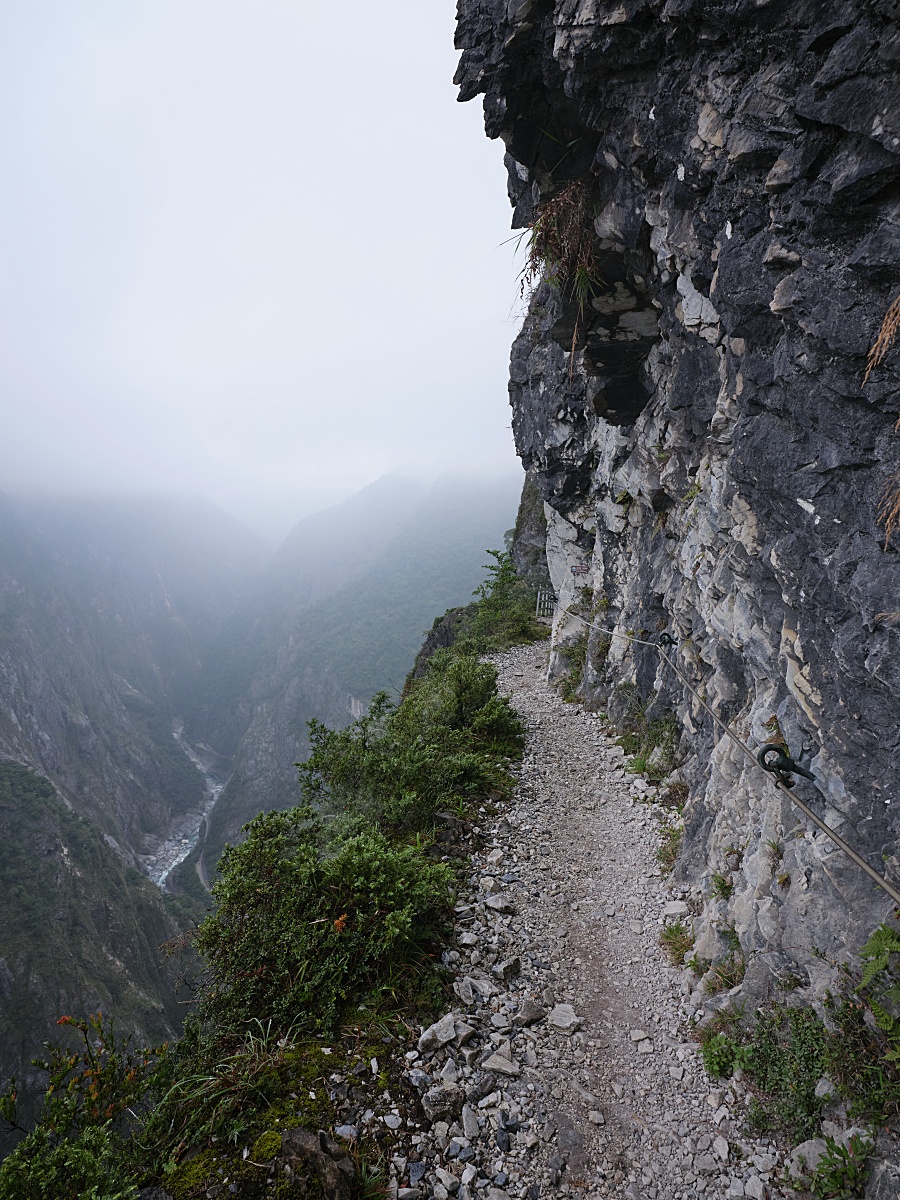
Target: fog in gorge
x,y
228,264
255,309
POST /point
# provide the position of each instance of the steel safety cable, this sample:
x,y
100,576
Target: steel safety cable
x,y
798,803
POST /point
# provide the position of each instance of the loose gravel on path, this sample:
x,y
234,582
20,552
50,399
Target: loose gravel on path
x,y
567,1066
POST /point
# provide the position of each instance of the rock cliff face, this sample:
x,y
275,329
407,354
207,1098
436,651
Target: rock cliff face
x,y
709,459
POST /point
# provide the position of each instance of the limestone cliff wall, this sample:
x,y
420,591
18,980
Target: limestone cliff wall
x,y
700,433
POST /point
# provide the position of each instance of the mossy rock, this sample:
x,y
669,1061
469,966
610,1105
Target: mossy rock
x,y
266,1146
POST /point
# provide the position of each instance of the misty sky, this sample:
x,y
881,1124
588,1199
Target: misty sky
x,y
252,250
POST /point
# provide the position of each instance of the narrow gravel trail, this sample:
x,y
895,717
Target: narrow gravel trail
x,y
572,1038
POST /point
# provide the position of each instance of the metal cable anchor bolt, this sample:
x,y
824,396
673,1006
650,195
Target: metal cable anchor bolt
x,y
773,758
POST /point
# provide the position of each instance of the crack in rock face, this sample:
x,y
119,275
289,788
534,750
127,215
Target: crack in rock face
x,y
695,424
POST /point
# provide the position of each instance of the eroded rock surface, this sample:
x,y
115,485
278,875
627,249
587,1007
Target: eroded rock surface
x,y
709,459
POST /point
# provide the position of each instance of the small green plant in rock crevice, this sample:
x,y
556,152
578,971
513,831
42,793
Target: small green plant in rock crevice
x,y
677,939
721,885
667,850
692,493
842,1171
575,653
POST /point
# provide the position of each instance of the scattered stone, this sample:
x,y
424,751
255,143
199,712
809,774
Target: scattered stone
x,y
503,1066
529,1013
564,1018
463,989
437,1035
442,1101
596,1117
449,1072
509,968
471,1128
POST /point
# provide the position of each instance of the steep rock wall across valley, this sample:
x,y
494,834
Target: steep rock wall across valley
x,y
695,418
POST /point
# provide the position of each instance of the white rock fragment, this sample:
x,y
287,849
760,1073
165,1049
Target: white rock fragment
x,y
437,1035
564,1018
503,1066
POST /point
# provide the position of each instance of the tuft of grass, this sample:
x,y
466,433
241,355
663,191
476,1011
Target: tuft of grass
x,y
576,655
887,335
667,851
562,246
721,885
725,975
675,796
677,939
783,880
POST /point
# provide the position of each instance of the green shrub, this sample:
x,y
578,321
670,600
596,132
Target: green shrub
x,y
442,747
785,1057
720,1054
86,1166
297,934
504,613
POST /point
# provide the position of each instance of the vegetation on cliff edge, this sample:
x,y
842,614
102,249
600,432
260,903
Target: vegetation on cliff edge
x,y
325,911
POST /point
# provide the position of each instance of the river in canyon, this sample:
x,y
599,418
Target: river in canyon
x,y
188,827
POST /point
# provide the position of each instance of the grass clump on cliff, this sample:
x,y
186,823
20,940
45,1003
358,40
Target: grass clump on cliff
x,y
787,1051
562,246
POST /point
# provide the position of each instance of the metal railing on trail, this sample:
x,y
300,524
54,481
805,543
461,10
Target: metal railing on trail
x,y
545,605
771,758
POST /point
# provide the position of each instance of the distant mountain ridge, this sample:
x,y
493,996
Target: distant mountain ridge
x,y
339,614
119,619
